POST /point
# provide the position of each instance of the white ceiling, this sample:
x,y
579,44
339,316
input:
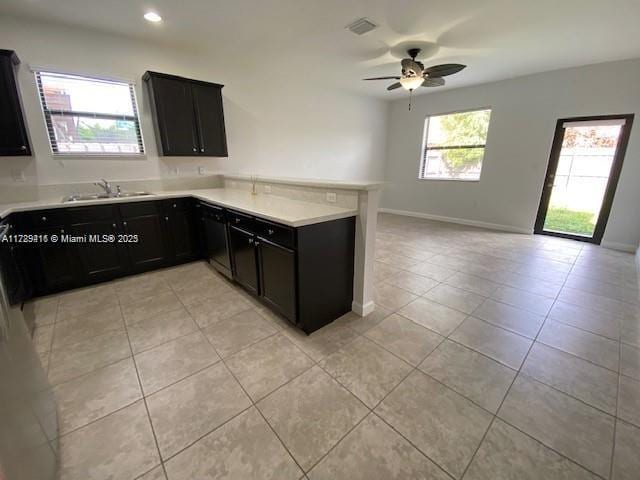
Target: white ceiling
x,y
497,39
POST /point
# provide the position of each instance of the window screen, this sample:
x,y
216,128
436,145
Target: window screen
x,y
89,116
453,145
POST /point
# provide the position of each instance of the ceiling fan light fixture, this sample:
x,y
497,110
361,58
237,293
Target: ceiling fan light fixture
x,y
411,83
152,17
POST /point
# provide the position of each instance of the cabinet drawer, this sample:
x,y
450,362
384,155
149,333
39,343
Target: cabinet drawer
x,y
44,218
139,209
176,204
240,220
276,233
92,214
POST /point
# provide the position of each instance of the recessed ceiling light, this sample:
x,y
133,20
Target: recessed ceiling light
x,y
152,17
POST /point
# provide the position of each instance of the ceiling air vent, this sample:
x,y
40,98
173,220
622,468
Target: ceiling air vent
x,y
362,26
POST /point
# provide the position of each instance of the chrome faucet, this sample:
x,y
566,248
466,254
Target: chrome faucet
x,y
104,185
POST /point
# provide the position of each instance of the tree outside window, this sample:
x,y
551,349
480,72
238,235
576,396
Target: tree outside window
x,y
454,145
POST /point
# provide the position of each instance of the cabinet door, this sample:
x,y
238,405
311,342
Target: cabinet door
x,y
180,222
149,251
13,135
278,277
99,259
175,117
210,120
57,262
243,253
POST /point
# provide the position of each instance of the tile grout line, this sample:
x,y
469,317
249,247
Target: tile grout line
x,y
252,403
144,398
504,399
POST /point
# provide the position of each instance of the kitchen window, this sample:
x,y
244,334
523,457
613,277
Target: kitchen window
x,y
453,145
89,116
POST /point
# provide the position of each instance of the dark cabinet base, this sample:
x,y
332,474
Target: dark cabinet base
x,y
304,274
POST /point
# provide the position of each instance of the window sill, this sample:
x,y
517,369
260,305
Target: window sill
x,y
466,180
78,156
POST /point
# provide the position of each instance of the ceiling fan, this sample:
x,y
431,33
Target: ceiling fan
x,y
414,74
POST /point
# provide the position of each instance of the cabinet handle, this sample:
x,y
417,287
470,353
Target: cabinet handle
x,y
202,150
250,241
23,147
195,149
175,206
44,219
166,218
114,225
124,223
270,231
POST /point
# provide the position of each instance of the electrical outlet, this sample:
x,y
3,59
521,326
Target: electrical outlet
x,y
201,170
267,189
18,176
331,197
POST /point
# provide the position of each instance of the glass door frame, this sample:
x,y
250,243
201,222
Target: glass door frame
x,y
612,183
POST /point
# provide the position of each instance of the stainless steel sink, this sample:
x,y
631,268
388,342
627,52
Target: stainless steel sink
x,y
103,196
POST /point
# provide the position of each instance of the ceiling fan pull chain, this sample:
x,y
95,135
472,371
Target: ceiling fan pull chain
x,y
410,98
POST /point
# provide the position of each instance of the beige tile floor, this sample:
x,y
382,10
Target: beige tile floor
x,y
490,356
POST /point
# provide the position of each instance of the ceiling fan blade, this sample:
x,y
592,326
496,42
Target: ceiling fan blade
x,y
433,82
444,69
382,78
393,86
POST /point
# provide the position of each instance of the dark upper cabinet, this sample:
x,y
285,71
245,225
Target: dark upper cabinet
x,y
212,137
188,116
243,255
13,131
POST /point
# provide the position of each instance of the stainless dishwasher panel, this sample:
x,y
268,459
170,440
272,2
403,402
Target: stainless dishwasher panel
x,y
28,416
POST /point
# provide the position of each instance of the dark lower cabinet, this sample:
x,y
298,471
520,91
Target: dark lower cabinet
x,y
243,257
148,252
100,259
305,273
277,267
180,226
55,264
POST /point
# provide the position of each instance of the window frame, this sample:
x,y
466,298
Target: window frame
x,y
422,164
47,113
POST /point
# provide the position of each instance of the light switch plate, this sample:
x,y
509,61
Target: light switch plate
x,y
201,170
331,197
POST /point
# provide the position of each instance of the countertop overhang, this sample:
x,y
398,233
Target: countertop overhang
x,y
294,213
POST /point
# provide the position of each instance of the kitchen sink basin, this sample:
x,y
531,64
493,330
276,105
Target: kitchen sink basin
x,y
104,196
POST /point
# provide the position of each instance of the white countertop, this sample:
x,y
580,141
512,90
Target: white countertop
x,y
294,213
307,182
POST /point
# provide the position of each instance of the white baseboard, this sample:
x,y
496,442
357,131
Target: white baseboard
x,y
459,221
623,247
363,310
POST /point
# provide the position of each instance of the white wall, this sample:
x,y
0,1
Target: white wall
x,y
524,114
276,124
